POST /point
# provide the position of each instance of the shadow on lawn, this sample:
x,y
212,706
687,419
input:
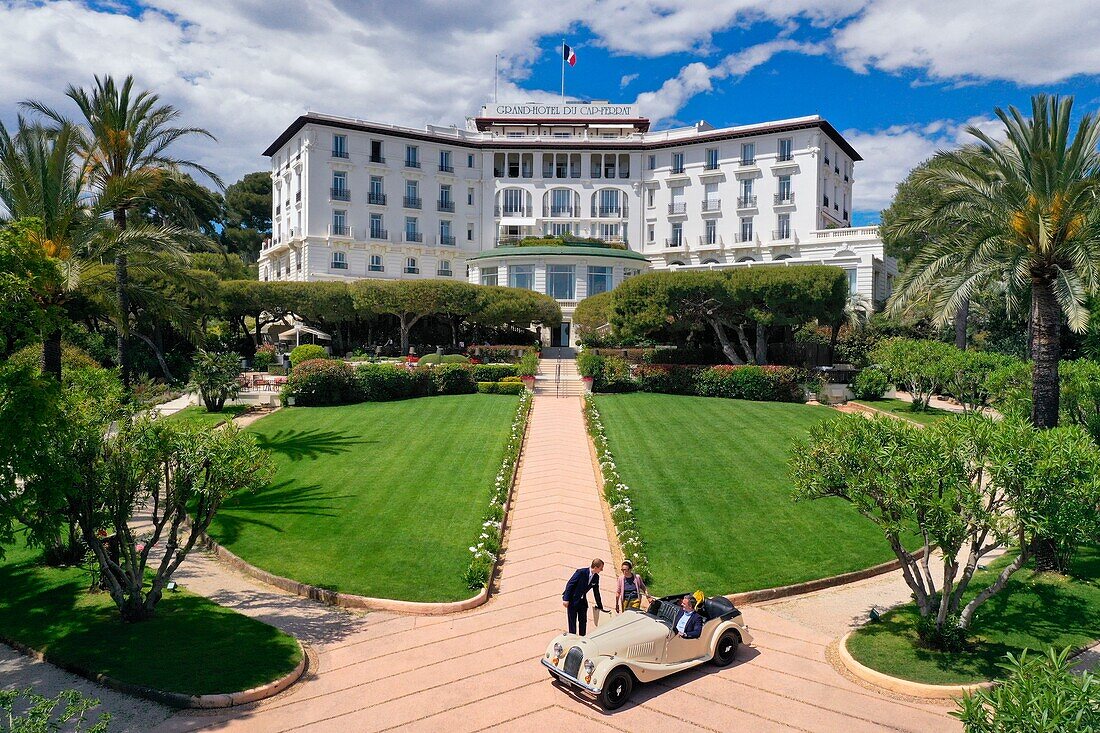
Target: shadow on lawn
x,y
313,443
282,498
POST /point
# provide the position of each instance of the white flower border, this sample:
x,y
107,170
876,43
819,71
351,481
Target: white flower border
x,y
616,493
486,549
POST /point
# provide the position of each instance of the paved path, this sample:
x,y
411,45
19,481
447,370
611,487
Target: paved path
x,y
480,670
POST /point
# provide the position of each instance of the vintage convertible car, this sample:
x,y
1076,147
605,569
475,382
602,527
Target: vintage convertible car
x,y
642,646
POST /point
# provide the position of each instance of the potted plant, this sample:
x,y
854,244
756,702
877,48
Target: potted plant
x,y
587,382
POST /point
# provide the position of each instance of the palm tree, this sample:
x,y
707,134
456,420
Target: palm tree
x,y
126,142
1023,216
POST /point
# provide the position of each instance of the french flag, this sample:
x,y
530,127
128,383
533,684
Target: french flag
x,y
568,54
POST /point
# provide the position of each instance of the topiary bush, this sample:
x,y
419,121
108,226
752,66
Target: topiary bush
x,y
307,352
453,379
322,382
454,359
432,358
750,382
494,372
870,384
500,387
384,382
264,358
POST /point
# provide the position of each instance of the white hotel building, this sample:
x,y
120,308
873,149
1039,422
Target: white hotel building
x,y
355,199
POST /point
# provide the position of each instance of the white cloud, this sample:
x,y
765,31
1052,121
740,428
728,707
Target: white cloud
x,y
674,93
626,80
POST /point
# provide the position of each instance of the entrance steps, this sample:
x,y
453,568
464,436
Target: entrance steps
x,y
558,377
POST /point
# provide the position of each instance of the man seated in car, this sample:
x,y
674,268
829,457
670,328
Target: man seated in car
x,y
688,624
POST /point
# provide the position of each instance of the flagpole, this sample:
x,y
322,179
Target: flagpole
x,y
496,75
562,54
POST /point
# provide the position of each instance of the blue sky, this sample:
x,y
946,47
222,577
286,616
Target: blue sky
x,y
899,78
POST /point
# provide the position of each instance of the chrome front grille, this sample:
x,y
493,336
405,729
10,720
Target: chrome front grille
x,y
573,662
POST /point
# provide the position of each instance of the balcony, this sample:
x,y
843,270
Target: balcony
x,y
711,206
512,213
339,230
379,233
710,165
784,157
379,159
447,240
339,264
674,242
712,241
746,202
611,212
339,154
747,163
340,194
411,270
412,163
677,170
785,198
744,239
559,211
446,168
378,199
782,235
413,237
445,205
412,202
443,273
677,207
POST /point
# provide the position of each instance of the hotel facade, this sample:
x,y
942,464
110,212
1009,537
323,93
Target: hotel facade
x,y
355,199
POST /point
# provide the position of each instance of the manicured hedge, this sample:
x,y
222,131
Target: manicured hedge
x,y
453,379
444,359
332,382
763,383
322,382
494,372
384,382
307,352
500,387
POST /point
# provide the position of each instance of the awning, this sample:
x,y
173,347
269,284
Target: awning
x,y
296,333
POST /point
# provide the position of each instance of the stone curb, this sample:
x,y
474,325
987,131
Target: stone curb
x,y
904,687
176,699
351,601
797,589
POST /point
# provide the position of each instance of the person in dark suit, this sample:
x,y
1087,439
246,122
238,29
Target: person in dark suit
x,y
689,624
575,597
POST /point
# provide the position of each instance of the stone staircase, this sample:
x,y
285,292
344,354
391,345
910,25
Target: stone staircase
x,y
558,378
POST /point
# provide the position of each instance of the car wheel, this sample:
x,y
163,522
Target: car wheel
x,y
726,649
616,689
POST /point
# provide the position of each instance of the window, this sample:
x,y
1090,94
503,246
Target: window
x,y
513,202
340,186
786,151
298,261
624,165
609,202
412,229
446,203
340,223
561,202
488,276
559,281
561,165
445,162
513,165
339,146
469,232
376,264
650,232
412,194
677,237
747,198
411,267
560,229
649,196
445,237
412,156
599,280
609,166
711,159
339,261
470,196
651,162
377,231
377,194
376,152
852,274
677,162
783,227
597,163
470,160
521,276
498,165
678,205
711,202
444,269
710,235
609,232
746,229
748,153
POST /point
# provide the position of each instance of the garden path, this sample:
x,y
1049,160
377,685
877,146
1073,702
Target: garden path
x,y
479,670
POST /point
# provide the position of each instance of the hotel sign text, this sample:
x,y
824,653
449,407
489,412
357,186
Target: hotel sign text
x,y
562,110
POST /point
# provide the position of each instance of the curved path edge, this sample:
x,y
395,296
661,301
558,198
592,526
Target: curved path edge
x,y
175,699
904,687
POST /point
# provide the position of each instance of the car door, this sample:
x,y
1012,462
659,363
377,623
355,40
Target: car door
x,y
679,650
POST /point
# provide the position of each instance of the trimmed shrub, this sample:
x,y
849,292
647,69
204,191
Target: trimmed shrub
x,y
870,384
307,352
322,382
919,366
763,383
430,359
517,380
264,358
453,379
500,387
684,356
495,372
528,364
454,359
666,378
383,382
608,373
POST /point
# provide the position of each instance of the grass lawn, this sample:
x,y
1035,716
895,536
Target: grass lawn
x,y
713,499
191,645
1035,610
380,499
901,408
196,416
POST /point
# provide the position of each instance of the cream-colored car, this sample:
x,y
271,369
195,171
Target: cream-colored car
x,y
642,646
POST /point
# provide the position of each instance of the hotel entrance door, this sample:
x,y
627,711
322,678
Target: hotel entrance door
x,y
560,335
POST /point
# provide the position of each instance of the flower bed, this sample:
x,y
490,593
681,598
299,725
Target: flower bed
x,y
486,550
616,493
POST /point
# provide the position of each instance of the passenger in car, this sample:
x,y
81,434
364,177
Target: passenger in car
x,y
688,624
631,589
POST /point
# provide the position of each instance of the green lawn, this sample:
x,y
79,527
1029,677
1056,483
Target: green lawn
x,y
191,645
1035,610
196,416
380,499
713,499
901,408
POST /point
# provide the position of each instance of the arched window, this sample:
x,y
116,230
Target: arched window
x,y
444,269
609,202
845,253
747,259
783,257
411,267
339,261
676,263
561,202
376,264
711,261
513,202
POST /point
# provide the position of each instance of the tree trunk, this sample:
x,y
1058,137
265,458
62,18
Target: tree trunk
x,y
833,336
961,316
405,328
761,343
723,339
51,354
122,281
1046,320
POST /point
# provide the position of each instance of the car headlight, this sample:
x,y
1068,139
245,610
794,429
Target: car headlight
x,y
557,649
589,666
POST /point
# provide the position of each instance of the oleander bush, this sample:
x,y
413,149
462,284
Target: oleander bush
x,y
528,365
870,384
264,358
494,372
317,382
749,382
666,378
452,379
385,382
307,352
500,387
